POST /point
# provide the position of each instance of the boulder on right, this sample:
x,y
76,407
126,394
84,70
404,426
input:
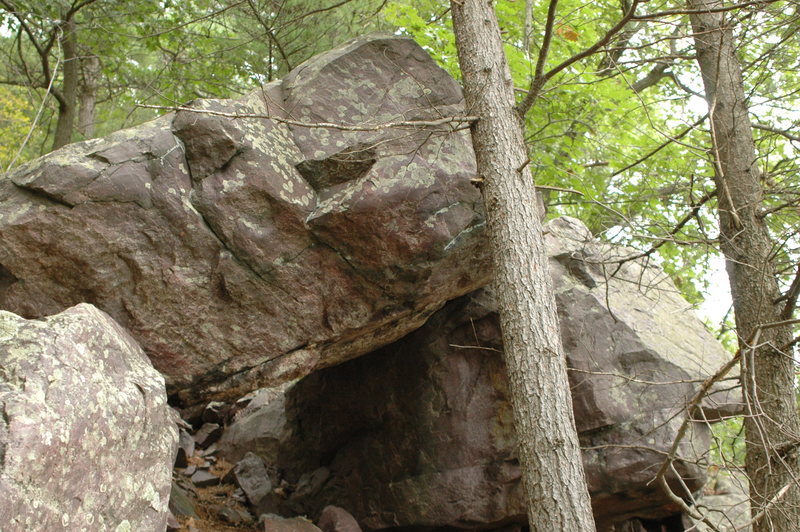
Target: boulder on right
x,y
420,433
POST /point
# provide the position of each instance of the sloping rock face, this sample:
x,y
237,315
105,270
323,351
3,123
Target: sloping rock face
x,y
248,251
420,433
87,440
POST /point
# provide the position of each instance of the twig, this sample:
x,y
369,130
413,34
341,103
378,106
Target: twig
x,y
561,189
692,409
782,132
476,347
326,125
722,9
695,210
537,84
790,296
661,146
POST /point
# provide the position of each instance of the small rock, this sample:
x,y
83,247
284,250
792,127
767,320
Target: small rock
x,y
208,434
312,483
212,449
257,426
276,523
216,412
251,477
172,523
190,470
335,519
228,514
203,479
180,503
182,423
185,448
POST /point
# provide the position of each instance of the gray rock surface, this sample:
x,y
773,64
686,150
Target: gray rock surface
x,y
335,519
258,427
186,447
244,252
276,523
420,433
251,476
87,440
725,501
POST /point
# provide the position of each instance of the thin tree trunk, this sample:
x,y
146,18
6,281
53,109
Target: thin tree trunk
x,y
552,470
88,97
69,88
772,424
527,28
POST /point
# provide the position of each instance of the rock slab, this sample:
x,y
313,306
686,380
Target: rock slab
x,y
87,440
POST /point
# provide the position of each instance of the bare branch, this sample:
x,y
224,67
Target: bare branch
x,y
652,78
790,296
188,22
317,11
693,212
537,83
781,132
271,34
693,408
11,8
538,77
455,120
560,189
77,7
766,212
721,9
661,146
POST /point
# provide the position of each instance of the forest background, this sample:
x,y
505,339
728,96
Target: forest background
x,y
619,134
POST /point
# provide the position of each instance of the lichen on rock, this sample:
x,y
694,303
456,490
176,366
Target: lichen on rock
x,y
87,439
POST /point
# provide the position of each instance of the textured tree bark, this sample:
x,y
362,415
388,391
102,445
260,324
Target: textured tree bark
x,y
67,105
88,97
772,424
552,470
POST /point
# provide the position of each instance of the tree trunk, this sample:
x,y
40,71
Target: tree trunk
x,y
552,470
772,422
88,98
527,28
67,105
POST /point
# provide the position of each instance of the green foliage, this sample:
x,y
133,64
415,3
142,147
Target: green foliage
x,y
166,53
728,443
16,116
428,22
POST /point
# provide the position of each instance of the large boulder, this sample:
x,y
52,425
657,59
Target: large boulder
x,y
241,247
420,433
87,440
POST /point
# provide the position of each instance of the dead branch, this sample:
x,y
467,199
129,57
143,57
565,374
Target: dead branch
x,y
456,120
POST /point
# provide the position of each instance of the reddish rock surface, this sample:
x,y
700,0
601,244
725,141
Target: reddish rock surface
x,y
420,433
242,252
87,440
